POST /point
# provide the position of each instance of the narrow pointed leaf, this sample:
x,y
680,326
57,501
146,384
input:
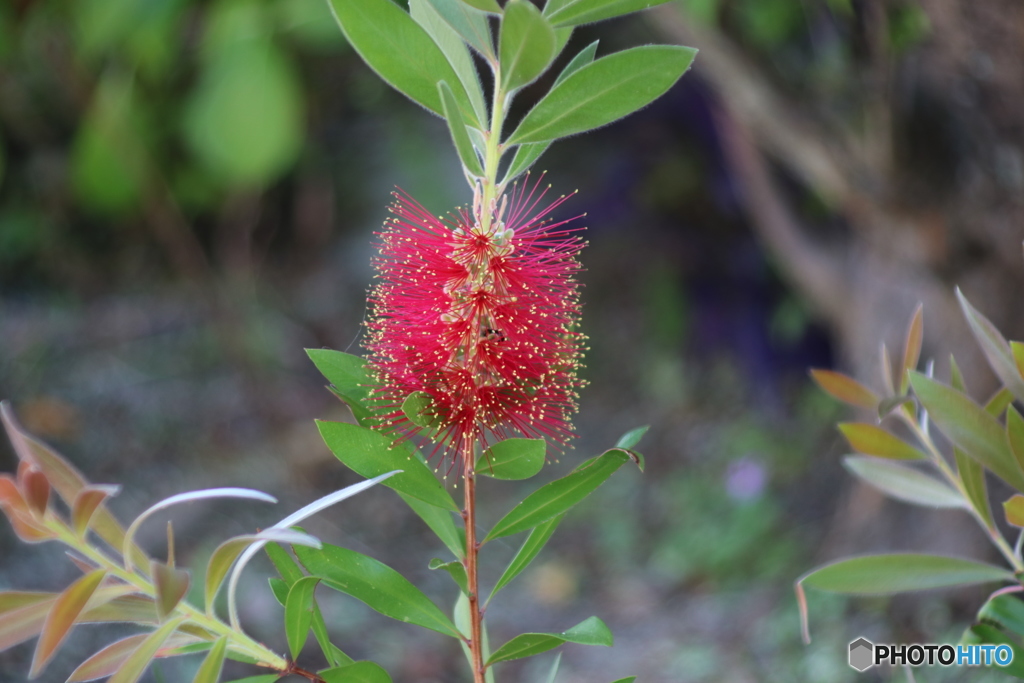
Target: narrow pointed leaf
x,y
526,44
593,631
912,346
632,437
37,491
603,91
489,6
1015,434
575,12
969,427
513,459
401,52
1014,509
454,48
370,453
139,609
376,584
553,672
349,378
904,483
996,348
25,621
171,585
61,474
107,661
845,389
525,157
1017,350
298,613
470,23
86,503
871,440
220,563
356,672
333,654
209,671
283,562
897,573
627,679
973,477
441,523
1006,611
139,660
62,616
582,58
887,371
455,570
551,500
457,128
190,497
531,547
281,533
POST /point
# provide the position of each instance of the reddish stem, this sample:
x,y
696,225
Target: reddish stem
x,y
475,617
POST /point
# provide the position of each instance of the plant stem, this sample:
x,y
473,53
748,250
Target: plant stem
x,y
240,642
476,643
940,462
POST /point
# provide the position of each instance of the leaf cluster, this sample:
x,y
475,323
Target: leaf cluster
x,y
895,452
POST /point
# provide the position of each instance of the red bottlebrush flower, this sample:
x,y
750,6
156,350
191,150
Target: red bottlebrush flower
x,y
482,322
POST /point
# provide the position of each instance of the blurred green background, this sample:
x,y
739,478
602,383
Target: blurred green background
x,y
188,192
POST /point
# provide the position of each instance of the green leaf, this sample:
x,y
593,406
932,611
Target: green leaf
x,y
441,523
469,23
490,6
349,377
454,49
370,454
897,573
904,483
1006,611
589,632
139,660
418,406
171,585
209,670
290,571
996,348
871,440
1014,509
63,614
247,130
333,654
987,634
845,389
401,52
996,405
220,563
575,12
460,136
627,679
551,500
455,570
376,584
969,427
298,613
531,547
279,588
603,91
632,437
1017,349
553,671
525,157
973,478
1015,434
526,44
513,459
356,672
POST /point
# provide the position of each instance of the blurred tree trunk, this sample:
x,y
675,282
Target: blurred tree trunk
x,y
929,186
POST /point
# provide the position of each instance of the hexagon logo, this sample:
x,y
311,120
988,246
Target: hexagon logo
x,y
862,653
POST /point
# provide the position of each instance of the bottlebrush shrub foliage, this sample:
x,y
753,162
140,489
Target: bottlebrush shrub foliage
x,y
473,355
981,436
